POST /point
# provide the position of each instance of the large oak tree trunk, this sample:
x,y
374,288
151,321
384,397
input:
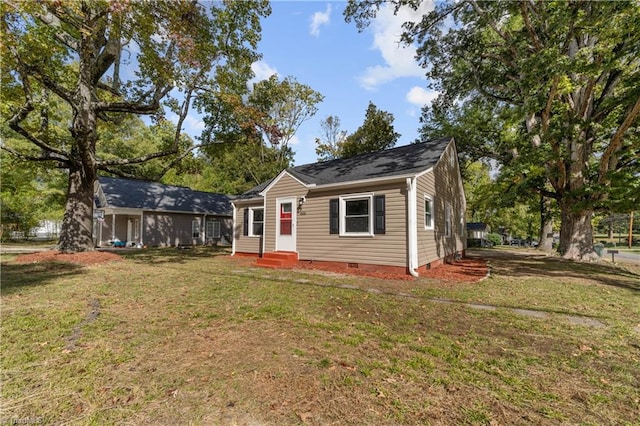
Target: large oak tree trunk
x,y
76,233
576,233
546,226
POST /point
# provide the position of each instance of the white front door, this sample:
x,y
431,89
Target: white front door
x,y
286,224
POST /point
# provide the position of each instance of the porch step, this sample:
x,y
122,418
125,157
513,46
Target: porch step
x,y
278,259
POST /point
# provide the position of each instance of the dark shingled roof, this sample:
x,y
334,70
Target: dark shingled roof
x,y
404,160
476,226
138,194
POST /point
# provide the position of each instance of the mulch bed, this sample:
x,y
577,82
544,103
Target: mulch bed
x,y
464,270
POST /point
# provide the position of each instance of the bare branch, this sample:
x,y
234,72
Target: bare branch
x,y
607,162
62,162
532,32
63,37
135,107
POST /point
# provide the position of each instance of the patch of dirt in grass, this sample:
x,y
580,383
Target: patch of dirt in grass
x,y
85,258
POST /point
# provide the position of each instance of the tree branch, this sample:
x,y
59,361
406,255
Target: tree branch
x,y
63,162
608,161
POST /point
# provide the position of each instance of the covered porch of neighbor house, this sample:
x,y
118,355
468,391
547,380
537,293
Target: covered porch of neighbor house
x,y
118,227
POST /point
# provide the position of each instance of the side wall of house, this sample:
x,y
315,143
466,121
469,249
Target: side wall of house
x,y
167,229
245,243
444,187
316,243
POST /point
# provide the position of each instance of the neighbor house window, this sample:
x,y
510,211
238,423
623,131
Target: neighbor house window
x,y
256,222
355,215
213,229
428,212
195,228
447,221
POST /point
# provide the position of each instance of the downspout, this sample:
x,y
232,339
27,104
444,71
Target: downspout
x,y
412,208
233,230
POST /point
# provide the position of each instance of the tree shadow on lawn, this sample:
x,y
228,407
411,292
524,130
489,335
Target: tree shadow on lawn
x,y
162,255
16,276
527,264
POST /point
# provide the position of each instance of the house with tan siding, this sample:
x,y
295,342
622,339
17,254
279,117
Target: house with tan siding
x,y
400,209
129,212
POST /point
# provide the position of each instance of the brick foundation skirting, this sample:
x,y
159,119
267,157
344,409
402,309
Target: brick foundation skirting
x,y
367,266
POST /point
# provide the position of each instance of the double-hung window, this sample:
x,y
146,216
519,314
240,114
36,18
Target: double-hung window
x,y
428,212
195,228
213,229
256,222
356,215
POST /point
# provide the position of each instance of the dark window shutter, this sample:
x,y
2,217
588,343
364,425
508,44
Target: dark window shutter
x,y
334,216
245,223
379,227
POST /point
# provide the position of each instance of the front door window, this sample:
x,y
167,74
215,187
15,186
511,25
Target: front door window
x,y
285,218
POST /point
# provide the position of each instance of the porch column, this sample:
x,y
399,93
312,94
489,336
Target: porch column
x,y
141,240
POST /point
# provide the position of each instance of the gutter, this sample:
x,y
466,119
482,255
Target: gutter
x,y
412,233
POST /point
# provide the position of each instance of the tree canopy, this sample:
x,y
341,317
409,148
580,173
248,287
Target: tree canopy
x,y
565,73
375,134
106,60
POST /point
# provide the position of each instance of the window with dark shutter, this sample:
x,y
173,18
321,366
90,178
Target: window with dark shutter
x,y
334,216
379,227
245,223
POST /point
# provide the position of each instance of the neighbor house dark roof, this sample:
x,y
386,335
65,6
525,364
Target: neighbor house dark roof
x,y
477,226
139,194
404,160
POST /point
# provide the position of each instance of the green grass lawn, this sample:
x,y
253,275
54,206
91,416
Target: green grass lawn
x,y
197,337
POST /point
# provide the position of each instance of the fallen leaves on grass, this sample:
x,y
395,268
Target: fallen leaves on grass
x,y
84,258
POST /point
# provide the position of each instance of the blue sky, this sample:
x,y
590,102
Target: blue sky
x,y
310,41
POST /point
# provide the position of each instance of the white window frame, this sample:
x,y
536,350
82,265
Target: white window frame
x,y
251,221
215,230
195,228
447,220
343,214
429,199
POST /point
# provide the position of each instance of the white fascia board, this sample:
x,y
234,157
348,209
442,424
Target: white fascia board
x,y
247,201
365,182
277,178
445,150
430,169
123,210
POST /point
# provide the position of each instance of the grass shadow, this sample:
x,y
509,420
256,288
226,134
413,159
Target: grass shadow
x,y
16,276
162,255
524,264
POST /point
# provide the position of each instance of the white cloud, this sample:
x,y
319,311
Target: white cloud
x,y
295,140
193,124
399,59
262,71
318,19
420,97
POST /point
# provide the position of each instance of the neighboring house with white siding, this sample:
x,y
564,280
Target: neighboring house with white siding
x,y
398,209
140,213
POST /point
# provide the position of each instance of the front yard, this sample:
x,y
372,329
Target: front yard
x,y
197,337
